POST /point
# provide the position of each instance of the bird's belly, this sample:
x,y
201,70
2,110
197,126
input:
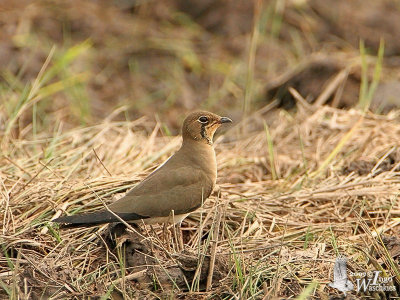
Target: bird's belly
x,y
159,220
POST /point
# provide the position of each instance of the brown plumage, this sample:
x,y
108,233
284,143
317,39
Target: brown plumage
x,y
181,184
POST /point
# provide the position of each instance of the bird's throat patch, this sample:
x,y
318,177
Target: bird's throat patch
x,y
204,135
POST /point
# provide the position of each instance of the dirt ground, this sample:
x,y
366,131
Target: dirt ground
x,y
178,56
92,97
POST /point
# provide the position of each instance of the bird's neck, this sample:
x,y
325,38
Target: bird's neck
x,y
200,154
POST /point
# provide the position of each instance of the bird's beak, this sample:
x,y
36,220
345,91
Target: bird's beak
x,y
225,120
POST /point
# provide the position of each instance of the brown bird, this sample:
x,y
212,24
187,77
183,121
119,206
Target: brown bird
x,y
177,187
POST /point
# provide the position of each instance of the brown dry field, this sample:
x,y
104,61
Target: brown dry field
x,y
92,96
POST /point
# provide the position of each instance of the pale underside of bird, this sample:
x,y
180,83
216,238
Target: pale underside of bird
x,y
340,280
178,187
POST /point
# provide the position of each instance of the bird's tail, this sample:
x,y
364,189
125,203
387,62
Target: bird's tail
x,y
96,218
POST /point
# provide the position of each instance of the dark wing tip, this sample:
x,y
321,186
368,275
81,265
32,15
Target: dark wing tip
x,y
62,219
97,218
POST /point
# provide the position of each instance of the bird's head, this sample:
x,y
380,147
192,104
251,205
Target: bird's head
x,y
201,125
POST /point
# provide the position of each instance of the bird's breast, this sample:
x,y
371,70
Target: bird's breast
x,y
201,156
208,163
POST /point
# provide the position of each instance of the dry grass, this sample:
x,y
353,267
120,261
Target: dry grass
x,y
277,236
295,189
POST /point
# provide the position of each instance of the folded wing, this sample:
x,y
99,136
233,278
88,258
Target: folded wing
x,y
182,189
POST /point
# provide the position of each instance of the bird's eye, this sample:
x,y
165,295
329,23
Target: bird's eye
x,y
203,119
